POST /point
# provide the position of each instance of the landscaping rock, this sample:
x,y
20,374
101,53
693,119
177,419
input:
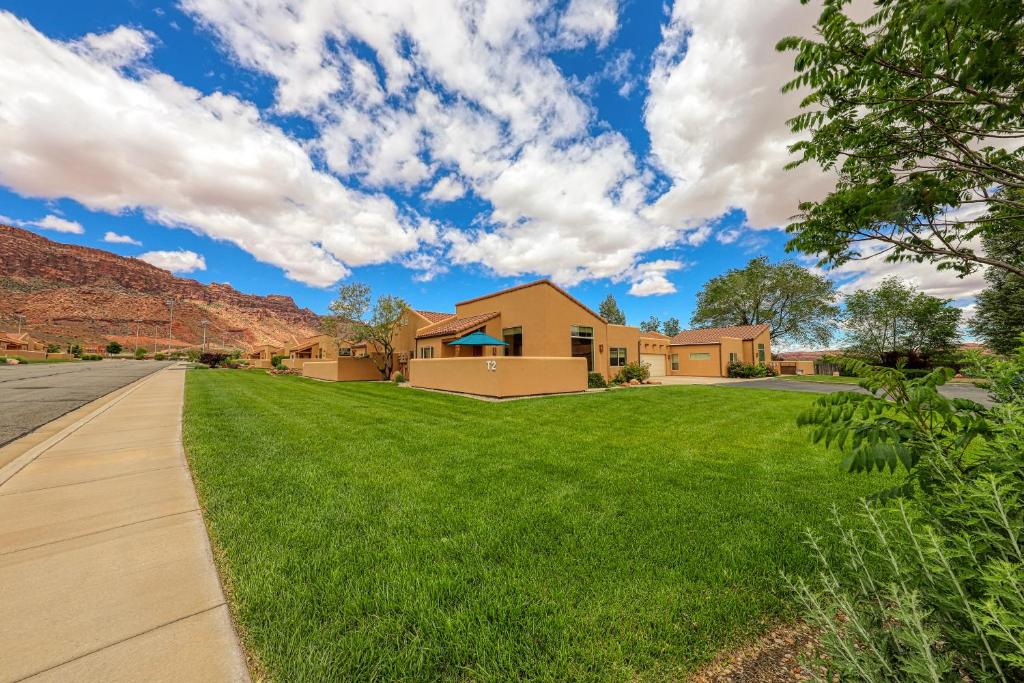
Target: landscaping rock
x,y
634,382
12,361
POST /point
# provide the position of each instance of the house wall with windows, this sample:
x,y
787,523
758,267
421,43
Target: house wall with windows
x,y
696,360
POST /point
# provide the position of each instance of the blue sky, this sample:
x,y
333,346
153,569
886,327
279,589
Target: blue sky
x,y
437,151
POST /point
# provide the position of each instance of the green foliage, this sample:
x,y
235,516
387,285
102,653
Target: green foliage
x,y
53,348
159,356
140,353
749,370
797,305
918,112
611,312
894,321
399,378
670,327
91,356
999,317
595,380
114,348
635,370
278,362
354,320
213,360
652,324
75,350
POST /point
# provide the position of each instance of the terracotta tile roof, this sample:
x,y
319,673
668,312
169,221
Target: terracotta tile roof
x,y
549,283
434,316
713,335
454,325
652,335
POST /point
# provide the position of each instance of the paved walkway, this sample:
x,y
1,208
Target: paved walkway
x,y
33,394
106,572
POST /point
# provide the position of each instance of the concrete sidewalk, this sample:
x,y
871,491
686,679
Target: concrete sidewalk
x,y
106,572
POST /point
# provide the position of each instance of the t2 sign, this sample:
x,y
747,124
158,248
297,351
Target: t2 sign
x,y
492,365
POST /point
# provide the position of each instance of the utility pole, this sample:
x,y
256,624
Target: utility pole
x,y
138,325
170,325
21,319
204,323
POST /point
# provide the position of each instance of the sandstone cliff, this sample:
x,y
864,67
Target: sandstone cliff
x,y
70,293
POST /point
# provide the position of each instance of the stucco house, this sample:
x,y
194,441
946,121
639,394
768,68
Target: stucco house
x,y
19,341
707,352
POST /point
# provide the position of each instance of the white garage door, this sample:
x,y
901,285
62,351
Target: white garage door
x,y
657,363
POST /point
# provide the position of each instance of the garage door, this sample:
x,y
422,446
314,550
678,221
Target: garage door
x,y
657,363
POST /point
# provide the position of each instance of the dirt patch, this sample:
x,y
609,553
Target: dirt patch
x,y
773,658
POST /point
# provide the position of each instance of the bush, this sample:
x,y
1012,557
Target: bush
x,y
932,588
91,356
399,378
53,348
276,361
114,348
749,370
635,370
75,350
595,380
213,360
159,356
140,353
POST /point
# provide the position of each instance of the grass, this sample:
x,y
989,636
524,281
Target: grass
x,y
828,379
369,531
27,361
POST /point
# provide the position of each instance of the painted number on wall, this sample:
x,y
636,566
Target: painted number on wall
x,y
492,365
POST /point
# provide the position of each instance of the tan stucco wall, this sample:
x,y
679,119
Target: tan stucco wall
x,y
501,376
59,356
731,345
341,370
27,355
793,367
294,363
622,336
697,368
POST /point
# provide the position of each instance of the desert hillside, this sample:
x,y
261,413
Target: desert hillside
x,y
70,293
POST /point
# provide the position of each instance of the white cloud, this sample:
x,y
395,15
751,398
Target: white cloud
x,y
869,273
114,238
75,127
447,189
651,278
180,261
58,224
589,20
121,47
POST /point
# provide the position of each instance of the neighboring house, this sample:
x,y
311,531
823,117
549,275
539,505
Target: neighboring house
x,y
265,352
707,352
319,347
19,341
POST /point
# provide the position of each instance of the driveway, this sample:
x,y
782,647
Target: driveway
x,y
955,390
33,394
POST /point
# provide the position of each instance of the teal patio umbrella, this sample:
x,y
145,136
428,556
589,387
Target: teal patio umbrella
x,y
477,339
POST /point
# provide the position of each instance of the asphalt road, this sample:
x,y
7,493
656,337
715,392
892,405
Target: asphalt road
x,y
954,390
33,394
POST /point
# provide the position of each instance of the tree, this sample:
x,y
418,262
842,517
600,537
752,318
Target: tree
x,y
113,348
919,111
611,312
893,321
797,305
652,324
53,348
999,318
670,327
354,320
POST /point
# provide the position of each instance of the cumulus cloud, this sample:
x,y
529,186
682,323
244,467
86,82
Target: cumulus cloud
x,y
651,278
589,20
446,189
118,48
869,273
114,238
180,261
207,162
58,224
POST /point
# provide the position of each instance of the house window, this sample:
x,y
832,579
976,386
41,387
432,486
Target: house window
x,y
675,361
427,352
345,352
581,344
760,353
513,336
733,357
617,357
700,356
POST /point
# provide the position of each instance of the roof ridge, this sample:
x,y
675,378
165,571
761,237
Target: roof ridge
x,y
542,281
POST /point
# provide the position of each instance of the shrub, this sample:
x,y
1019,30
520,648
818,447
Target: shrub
x,y
595,380
933,587
399,378
159,356
749,370
276,361
53,348
91,356
635,370
140,353
75,350
114,348
213,360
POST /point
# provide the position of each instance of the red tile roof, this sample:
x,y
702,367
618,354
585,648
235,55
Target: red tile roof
x,y
713,335
434,316
652,335
549,283
454,325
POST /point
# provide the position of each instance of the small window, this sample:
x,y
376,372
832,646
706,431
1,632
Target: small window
x,y
760,353
733,357
675,361
427,352
700,356
581,331
345,352
617,357
513,336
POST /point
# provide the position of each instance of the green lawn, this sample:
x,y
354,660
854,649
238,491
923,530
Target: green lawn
x,y
829,379
376,532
